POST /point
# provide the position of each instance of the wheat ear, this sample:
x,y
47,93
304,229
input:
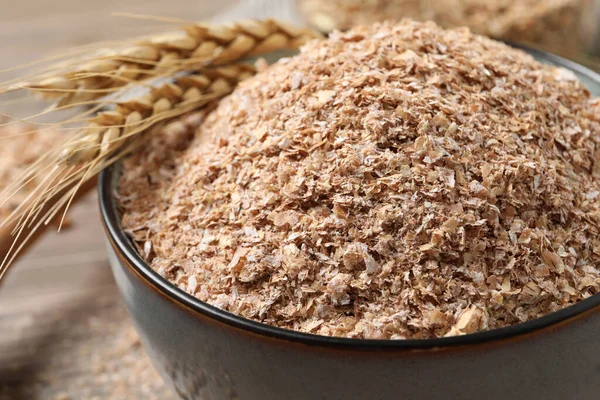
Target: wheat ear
x,y
107,137
197,45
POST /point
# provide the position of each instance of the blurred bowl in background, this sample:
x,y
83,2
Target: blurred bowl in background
x,y
567,27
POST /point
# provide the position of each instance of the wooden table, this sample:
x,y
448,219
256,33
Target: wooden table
x,y
64,333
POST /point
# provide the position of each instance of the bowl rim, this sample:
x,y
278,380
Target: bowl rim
x,y
123,244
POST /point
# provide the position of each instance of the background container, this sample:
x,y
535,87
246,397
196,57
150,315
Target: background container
x,y
567,27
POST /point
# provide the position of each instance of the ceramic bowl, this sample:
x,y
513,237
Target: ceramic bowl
x,y
206,353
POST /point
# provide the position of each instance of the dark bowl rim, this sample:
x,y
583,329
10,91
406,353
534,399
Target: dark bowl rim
x,y
111,220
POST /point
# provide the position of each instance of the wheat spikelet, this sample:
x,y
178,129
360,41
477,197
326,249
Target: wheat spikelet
x,y
108,136
96,75
99,78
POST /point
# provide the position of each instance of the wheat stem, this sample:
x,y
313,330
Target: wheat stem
x,y
210,52
108,136
195,47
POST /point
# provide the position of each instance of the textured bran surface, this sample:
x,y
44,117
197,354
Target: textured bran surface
x,y
395,181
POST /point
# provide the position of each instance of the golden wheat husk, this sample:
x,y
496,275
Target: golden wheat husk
x,y
107,137
91,76
201,63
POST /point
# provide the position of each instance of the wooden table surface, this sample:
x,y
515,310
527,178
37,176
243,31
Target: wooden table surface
x,y
63,331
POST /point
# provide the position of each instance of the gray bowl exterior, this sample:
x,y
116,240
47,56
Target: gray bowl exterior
x,y
205,353
206,359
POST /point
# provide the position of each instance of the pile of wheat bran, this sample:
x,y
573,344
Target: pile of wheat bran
x,y
394,181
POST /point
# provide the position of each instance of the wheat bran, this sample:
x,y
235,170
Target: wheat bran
x,y
394,181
